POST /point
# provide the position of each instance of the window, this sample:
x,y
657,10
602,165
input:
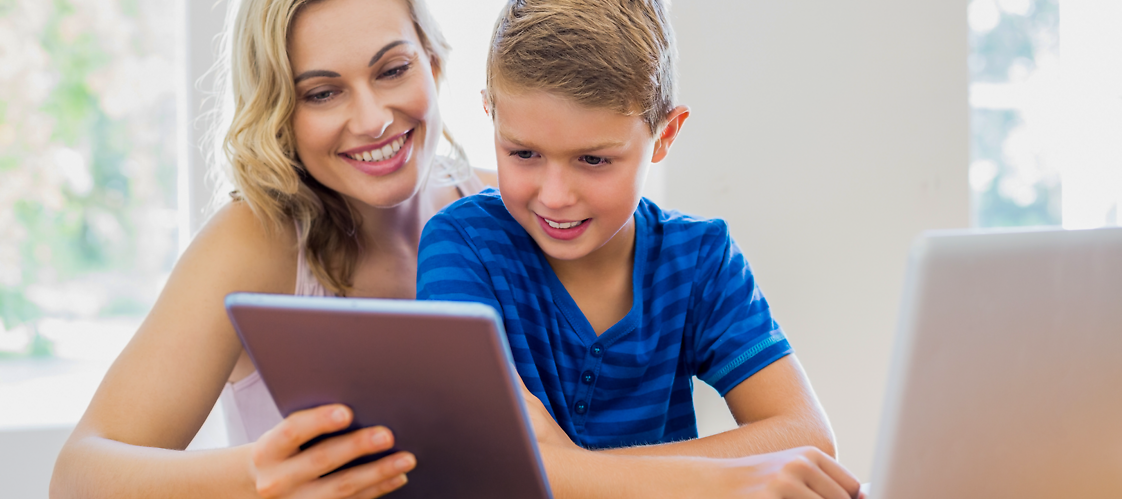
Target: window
x,y
88,228
1046,112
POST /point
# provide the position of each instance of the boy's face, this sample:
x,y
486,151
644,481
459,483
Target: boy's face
x,y
572,175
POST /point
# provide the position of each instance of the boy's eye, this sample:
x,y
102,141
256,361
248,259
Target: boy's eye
x,y
595,160
523,154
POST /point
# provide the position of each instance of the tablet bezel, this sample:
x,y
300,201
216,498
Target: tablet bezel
x,y
297,342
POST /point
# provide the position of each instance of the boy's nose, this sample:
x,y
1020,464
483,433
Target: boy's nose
x,y
369,116
556,189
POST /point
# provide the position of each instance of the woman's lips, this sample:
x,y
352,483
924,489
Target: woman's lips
x,y
385,166
567,234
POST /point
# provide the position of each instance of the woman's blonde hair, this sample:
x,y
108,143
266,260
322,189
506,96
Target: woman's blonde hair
x,y
255,142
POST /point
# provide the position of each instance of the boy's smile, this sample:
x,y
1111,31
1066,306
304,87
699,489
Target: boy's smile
x,y
569,174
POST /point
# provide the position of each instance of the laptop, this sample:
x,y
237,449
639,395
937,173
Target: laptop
x,y
1006,380
438,374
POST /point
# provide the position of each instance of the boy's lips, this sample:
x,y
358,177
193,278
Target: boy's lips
x,y
563,230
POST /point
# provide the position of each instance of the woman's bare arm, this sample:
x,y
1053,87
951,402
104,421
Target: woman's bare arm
x,y
163,385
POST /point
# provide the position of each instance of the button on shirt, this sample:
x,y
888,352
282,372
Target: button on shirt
x,y
696,311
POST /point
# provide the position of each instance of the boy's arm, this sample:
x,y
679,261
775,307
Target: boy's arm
x,y
776,410
736,346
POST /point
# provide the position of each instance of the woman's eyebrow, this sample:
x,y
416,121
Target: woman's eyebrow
x,y
331,74
314,73
387,48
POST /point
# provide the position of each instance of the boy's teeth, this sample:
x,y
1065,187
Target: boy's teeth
x,y
386,152
565,225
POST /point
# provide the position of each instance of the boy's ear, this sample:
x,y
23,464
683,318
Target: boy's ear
x,y
669,133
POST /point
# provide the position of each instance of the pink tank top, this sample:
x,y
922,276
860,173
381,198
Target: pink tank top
x,y
249,409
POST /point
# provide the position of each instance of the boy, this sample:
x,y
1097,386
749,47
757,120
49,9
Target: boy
x,y
611,304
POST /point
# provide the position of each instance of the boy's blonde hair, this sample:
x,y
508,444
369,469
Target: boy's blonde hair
x,y
611,54
257,145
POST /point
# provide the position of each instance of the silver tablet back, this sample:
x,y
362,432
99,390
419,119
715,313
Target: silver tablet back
x,y
1007,374
436,373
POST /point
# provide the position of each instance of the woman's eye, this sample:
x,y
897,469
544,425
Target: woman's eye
x,y
523,154
321,96
595,160
396,72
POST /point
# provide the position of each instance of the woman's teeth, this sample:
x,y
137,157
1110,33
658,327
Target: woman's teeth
x,y
564,225
386,152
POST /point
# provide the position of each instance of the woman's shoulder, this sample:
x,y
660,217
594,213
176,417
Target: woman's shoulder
x,y
236,240
490,178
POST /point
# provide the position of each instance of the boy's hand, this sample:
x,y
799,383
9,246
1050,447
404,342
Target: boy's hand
x,y
805,472
546,430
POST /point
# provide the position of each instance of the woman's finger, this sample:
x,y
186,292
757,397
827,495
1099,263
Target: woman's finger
x,y
328,455
284,440
379,477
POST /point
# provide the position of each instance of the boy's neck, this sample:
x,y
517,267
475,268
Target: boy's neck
x,y
601,282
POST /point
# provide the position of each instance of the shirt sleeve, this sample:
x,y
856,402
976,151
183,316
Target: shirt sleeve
x,y
734,334
449,267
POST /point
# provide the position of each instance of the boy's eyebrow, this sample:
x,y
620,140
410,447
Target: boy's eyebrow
x,y
597,147
331,74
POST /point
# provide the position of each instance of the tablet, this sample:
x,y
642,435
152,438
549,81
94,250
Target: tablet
x,y
438,374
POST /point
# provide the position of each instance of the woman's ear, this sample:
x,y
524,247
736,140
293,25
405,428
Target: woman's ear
x,y
674,121
437,69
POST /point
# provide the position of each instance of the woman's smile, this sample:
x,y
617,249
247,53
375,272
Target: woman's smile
x,y
382,158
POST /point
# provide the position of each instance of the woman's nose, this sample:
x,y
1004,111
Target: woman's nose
x,y
370,116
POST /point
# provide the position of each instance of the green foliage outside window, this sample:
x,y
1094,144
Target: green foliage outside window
x,y
87,162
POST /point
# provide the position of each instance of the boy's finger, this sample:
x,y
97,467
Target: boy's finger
x,y
823,485
838,474
284,440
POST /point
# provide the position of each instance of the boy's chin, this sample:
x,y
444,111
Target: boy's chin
x,y
561,250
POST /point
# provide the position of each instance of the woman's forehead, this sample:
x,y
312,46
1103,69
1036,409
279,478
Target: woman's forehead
x,y
338,32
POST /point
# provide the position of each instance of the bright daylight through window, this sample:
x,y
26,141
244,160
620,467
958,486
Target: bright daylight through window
x,y
87,192
1046,112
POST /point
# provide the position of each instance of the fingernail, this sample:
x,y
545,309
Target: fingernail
x,y
339,415
380,438
404,462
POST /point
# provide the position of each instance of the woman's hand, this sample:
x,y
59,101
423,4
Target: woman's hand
x,y
282,470
805,472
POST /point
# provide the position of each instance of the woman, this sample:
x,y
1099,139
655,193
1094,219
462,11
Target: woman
x,y
332,150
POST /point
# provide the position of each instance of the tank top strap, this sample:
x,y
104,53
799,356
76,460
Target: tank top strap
x,y
306,282
470,186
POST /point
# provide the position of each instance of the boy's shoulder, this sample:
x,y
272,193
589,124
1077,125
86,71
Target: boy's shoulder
x,y
674,224
478,218
468,210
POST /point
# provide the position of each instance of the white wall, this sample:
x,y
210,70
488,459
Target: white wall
x,y
828,134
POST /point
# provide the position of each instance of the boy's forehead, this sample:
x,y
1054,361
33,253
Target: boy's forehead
x,y
544,119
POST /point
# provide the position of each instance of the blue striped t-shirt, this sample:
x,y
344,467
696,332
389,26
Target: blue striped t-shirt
x,y
696,311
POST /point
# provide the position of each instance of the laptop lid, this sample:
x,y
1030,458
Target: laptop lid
x,y
1007,372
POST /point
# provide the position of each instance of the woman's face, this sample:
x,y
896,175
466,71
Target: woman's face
x,y
366,121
